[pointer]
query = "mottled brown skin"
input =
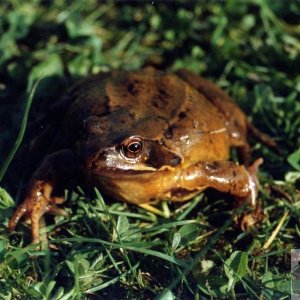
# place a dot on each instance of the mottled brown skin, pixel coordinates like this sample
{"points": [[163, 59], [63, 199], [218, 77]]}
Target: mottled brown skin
{"points": [[143, 136]]}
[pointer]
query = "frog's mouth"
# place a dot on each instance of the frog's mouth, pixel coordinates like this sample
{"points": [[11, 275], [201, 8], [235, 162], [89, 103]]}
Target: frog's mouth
{"points": [[109, 162], [118, 172], [113, 160], [116, 168]]}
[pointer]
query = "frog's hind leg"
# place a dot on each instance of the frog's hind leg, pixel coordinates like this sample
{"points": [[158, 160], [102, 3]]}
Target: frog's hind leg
{"points": [[243, 147], [264, 138], [235, 120], [244, 153]]}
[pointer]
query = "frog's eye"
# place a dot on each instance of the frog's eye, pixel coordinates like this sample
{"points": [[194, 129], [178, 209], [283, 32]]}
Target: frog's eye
{"points": [[132, 147]]}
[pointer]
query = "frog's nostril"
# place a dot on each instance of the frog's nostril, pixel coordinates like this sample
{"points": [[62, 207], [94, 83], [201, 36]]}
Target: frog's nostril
{"points": [[95, 156], [97, 160], [93, 159]]}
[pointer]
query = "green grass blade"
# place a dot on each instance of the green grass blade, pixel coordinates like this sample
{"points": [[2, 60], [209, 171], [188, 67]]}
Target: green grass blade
{"points": [[112, 281], [21, 131]]}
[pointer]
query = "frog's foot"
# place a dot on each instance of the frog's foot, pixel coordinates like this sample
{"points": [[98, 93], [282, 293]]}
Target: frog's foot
{"points": [[247, 221], [37, 202]]}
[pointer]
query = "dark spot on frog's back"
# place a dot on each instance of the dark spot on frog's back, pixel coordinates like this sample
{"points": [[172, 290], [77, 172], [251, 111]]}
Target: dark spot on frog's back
{"points": [[163, 96], [161, 99], [182, 115], [168, 133], [132, 89], [163, 93]]}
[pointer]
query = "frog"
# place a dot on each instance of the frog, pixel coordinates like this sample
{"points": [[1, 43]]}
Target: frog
{"points": [[143, 136]]}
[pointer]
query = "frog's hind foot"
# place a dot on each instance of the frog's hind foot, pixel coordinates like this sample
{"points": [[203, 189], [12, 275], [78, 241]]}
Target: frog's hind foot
{"points": [[248, 221]]}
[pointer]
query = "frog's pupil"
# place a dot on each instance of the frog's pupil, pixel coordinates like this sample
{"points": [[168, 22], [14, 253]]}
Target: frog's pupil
{"points": [[134, 147]]}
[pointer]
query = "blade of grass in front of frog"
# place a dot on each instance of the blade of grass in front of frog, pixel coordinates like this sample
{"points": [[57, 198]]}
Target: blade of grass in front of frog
{"points": [[99, 196], [182, 213], [200, 254], [158, 229], [112, 281], [106, 229], [237, 275], [127, 246], [22, 128]]}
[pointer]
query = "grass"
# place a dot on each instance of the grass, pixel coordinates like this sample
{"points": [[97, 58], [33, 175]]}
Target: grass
{"points": [[119, 251]]}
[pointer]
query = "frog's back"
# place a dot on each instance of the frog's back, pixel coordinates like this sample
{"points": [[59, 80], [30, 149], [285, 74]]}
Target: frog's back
{"points": [[154, 105]]}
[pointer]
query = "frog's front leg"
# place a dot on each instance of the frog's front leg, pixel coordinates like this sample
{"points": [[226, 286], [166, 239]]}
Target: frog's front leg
{"points": [[228, 177], [39, 198]]}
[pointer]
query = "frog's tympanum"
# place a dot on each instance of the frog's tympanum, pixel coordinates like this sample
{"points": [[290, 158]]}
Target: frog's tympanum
{"points": [[143, 136]]}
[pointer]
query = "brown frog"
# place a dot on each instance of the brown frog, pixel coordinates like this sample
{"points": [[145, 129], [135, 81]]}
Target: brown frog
{"points": [[142, 136]]}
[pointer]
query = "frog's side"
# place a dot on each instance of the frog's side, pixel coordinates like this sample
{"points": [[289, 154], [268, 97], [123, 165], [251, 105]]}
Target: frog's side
{"points": [[143, 136]]}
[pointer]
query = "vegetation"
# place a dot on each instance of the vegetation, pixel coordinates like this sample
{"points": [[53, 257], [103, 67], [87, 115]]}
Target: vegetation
{"points": [[188, 251]]}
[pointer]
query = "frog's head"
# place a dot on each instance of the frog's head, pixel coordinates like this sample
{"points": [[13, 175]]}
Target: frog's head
{"points": [[115, 144]]}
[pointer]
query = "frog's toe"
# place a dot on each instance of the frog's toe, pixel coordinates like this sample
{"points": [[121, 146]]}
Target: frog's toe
{"points": [[35, 226], [55, 210], [19, 213], [248, 221], [253, 169], [37, 212]]}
